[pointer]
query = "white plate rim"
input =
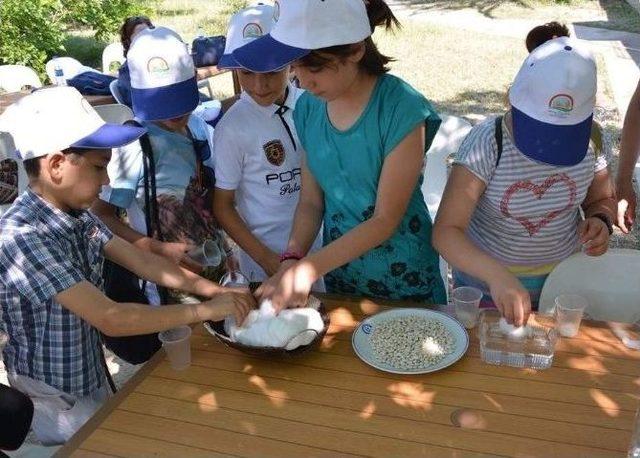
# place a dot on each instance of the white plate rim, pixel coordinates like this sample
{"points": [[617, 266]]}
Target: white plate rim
{"points": [[429, 314]]}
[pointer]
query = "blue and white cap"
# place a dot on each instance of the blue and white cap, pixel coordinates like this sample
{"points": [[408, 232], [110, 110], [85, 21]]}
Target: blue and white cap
{"points": [[552, 100], [302, 26], [163, 77], [54, 119], [244, 27]]}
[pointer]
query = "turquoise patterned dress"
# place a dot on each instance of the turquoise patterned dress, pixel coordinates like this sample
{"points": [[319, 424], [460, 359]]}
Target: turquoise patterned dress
{"points": [[347, 166]]}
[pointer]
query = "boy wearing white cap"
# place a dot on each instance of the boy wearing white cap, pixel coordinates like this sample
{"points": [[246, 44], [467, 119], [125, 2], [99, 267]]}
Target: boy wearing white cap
{"points": [[511, 211], [51, 255], [258, 155], [365, 134], [164, 94]]}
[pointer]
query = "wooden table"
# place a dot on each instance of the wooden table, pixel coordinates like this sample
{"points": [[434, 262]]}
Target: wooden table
{"points": [[329, 403], [211, 71], [12, 97]]}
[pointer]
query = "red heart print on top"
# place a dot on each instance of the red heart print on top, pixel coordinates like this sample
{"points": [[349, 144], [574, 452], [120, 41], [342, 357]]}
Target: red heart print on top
{"points": [[539, 192]]}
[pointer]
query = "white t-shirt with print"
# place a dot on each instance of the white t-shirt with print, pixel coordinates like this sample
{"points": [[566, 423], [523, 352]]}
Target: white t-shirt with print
{"points": [[255, 156], [529, 212]]}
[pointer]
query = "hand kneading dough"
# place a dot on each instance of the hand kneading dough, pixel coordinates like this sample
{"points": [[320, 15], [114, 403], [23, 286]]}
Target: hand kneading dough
{"points": [[289, 329]]}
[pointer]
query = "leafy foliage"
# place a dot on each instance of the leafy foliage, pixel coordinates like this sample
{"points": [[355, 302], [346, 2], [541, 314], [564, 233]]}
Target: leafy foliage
{"points": [[33, 31], [103, 16]]}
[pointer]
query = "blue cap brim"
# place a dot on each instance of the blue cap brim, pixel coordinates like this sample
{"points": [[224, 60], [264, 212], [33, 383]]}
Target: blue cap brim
{"points": [[267, 55], [110, 136], [228, 61], [166, 102], [550, 143]]}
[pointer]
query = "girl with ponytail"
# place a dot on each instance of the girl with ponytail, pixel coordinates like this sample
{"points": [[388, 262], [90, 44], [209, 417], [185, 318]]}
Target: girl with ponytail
{"points": [[365, 133]]}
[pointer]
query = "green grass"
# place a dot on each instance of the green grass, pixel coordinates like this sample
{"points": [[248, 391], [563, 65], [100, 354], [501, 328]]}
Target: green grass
{"points": [[185, 16], [461, 72]]}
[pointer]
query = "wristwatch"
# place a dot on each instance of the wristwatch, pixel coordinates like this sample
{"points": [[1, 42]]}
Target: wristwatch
{"points": [[605, 219]]}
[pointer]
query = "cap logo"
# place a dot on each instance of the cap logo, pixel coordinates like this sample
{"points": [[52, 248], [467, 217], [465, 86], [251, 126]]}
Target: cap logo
{"points": [[562, 103], [252, 30], [276, 11], [157, 66]]}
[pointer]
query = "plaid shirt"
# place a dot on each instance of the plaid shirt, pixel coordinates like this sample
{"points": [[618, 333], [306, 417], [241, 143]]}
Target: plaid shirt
{"points": [[43, 252]]}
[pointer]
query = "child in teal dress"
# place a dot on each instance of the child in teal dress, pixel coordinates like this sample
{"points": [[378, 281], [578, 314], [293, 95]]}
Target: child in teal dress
{"points": [[365, 133]]}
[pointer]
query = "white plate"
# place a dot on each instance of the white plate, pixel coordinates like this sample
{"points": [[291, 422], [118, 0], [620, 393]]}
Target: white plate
{"points": [[362, 344]]}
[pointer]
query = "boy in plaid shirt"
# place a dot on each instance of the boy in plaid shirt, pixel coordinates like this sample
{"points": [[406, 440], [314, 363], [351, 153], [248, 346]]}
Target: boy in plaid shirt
{"points": [[51, 255]]}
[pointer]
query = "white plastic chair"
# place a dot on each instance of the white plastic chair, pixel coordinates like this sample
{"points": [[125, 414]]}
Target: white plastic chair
{"points": [[608, 282], [115, 92], [14, 77], [451, 133], [112, 53], [206, 85], [114, 113], [70, 67]]}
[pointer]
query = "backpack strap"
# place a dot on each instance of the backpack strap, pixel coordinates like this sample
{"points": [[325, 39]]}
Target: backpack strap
{"points": [[498, 137], [151, 213]]}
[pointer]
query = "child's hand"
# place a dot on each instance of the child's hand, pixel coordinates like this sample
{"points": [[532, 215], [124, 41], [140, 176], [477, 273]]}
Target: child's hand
{"points": [[290, 286], [626, 204], [594, 236], [512, 299], [269, 286], [177, 252], [236, 303]]}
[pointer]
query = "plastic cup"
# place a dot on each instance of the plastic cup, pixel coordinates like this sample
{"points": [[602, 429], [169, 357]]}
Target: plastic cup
{"points": [[208, 254], [177, 344], [634, 446], [466, 304], [569, 311], [234, 279]]}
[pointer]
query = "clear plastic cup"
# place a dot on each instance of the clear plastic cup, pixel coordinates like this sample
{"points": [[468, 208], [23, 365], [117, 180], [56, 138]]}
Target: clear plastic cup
{"points": [[234, 279], [569, 311], [466, 303], [177, 344], [634, 446], [208, 254]]}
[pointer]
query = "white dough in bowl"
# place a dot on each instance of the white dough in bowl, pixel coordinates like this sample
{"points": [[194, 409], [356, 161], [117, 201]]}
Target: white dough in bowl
{"points": [[289, 329]]}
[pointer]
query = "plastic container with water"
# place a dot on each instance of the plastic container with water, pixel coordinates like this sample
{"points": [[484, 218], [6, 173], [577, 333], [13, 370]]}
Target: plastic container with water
{"points": [[533, 350]]}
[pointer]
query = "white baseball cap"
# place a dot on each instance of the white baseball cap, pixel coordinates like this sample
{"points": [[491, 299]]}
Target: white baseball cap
{"points": [[163, 77], [244, 27], [302, 26], [552, 100], [54, 119]]}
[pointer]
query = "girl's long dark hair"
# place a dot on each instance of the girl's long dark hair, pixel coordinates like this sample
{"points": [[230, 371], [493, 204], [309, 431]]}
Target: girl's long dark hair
{"points": [[127, 29], [373, 61]]}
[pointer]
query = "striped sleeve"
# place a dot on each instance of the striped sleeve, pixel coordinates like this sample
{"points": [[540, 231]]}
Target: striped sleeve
{"points": [[478, 152]]}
